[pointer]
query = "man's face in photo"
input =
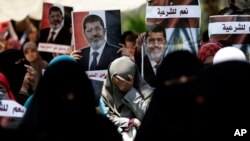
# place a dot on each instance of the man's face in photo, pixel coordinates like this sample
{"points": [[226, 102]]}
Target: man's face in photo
{"points": [[95, 34], [55, 18], [156, 43], [158, 2]]}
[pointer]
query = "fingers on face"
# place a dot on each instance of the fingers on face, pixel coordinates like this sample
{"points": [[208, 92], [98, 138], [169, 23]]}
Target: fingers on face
{"points": [[120, 80], [130, 77], [115, 80]]}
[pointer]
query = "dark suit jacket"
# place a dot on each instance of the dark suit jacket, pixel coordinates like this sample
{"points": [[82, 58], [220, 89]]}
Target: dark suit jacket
{"points": [[108, 55], [149, 75], [63, 38]]}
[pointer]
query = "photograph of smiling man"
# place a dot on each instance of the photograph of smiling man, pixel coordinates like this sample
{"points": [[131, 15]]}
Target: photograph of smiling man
{"points": [[96, 38], [55, 31]]}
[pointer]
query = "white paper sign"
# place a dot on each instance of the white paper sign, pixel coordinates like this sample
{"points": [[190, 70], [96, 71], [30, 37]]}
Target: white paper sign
{"points": [[54, 48], [173, 11], [229, 28], [10, 108], [97, 74]]}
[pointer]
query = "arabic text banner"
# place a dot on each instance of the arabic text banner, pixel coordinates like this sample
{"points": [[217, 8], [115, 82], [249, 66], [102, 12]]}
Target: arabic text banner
{"points": [[181, 20], [232, 29], [10, 108]]}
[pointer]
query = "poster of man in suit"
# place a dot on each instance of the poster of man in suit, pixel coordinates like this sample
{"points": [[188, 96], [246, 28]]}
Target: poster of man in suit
{"points": [[56, 30], [181, 21], [96, 38], [112, 23]]}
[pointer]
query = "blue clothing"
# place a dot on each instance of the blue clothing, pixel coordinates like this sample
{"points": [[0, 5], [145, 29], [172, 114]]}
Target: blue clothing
{"points": [[27, 102], [103, 108]]}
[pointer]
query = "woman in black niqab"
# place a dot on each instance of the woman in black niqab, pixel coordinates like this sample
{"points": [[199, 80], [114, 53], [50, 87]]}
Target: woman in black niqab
{"points": [[64, 103]]}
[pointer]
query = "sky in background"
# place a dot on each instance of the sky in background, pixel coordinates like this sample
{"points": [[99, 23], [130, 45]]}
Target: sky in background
{"points": [[80, 5], [19, 9]]}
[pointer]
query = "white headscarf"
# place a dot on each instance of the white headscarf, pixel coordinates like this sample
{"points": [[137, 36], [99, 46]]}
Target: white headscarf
{"points": [[229, 54]]}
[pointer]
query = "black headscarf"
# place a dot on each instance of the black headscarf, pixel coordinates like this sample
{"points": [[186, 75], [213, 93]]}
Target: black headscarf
{"points": [[171, 113], [224, 88], [177, 64], [63, 103], [12, 66], [239, 7]]}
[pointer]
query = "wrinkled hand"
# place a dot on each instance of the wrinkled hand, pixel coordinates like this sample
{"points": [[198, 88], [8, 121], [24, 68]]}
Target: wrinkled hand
{"points": [[122, 84], [139, 42], [31, 75], [137, 122], [76, 54], [29, 79], [123, 50]]}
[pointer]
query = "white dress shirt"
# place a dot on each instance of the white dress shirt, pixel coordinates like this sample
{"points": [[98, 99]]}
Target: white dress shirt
{"points": [[56, 33], [100, 50]]}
